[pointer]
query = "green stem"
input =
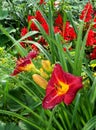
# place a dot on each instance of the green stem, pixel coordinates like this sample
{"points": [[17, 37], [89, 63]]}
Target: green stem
{"points": [[51, 118]]}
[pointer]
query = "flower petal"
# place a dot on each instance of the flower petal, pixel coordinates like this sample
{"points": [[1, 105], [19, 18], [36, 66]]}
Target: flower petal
{"points": [[51, 100], [74, 87]]}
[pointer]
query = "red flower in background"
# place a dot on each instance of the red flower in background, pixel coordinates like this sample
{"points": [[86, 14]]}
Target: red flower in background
{"points": [[39, 17], [24, 31], [59, 21], [57, 30], [87, 12], [42, 21], [62, 86], [65, 29], [24, 64], [91, 40], [42, 2], [93, 54], [32, 24], [68, 32], [42, 41]]}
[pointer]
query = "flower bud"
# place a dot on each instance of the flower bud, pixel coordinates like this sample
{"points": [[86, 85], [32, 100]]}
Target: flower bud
{"points": [[40, 81], [43, 73], [46, 65]]}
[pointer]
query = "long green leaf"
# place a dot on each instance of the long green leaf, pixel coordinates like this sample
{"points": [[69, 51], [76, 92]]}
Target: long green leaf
{"points": [[13, 114], [77, 103], [21, 50], [91, 124], [61, 53], [48, 56], [93, 92], [24, 106]]}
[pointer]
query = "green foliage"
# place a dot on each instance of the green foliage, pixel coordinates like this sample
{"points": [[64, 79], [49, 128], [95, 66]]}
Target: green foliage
{"points": [[9, 126]]}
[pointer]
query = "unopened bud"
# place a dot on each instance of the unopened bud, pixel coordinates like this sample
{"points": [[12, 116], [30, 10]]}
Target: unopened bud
{"points": [[46, 65], [43, 73], [40, 80]]}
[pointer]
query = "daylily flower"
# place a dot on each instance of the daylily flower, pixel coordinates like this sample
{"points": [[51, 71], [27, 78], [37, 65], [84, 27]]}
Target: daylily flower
{"points": [[25, 64], [62, 86]]}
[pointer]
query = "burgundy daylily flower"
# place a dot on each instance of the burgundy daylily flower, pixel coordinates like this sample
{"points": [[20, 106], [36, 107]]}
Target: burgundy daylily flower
{"points": [[24, 64], [62, 86]]}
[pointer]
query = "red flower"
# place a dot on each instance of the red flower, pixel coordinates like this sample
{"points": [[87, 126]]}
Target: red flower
{"points": [[93, 54], [57, 30], [42, 2], [30, 17], [39, 17], [24, 31], [32, 24], [87, 12], [32, 54], [24, 64], [34, 47], [62, 86], [23, 44], [42, 21], [68, 32], [91, 38], [42, 41], [59, 21]]}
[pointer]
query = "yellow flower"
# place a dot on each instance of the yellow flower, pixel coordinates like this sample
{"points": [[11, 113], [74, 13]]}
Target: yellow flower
{"points": [[40, 80], [43, 74], [46, 65], [93, 65], [94, 74]]}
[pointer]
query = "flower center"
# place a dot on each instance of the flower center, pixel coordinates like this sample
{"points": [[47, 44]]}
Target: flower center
{"points": [[62, 88]]}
